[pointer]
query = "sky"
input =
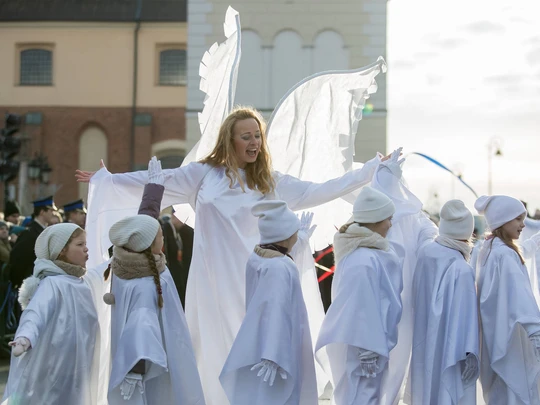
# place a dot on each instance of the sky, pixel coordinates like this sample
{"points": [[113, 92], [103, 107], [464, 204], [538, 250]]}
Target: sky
{"points": [[463, 75]]}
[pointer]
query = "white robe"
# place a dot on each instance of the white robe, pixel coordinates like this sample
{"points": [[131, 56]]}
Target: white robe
{"points": [[531, 253], [143, 331], [509, 315], [275, 328], [445, 328], [364, 314], [61, 367], [225, 234]]}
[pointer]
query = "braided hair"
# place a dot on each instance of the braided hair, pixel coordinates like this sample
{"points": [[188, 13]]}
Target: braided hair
{"points": [[152, 263]]}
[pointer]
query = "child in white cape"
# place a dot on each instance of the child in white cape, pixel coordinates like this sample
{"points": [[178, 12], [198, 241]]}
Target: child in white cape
{"points": [[271, 360], [152, 354], [510, 318], [54, 355]]}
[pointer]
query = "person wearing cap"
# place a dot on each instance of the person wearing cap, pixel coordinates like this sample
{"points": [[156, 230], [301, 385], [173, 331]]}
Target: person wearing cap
{"points": [[445, 355], [271, 360], [12, 212], [75, 213], [152, 358], [53, 352], [22, 257], [510, 318]]}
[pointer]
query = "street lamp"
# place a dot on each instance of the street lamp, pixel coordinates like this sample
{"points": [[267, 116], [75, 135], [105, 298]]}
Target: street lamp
{"points": [[39, 169], [494, 149]]}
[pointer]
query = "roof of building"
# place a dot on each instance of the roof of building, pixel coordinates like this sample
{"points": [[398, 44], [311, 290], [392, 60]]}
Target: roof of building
{"points": [[93, 10]]}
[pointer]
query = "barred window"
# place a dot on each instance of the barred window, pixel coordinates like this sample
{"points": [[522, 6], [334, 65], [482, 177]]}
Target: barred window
{"points": [[172, 67], [36, 67]]}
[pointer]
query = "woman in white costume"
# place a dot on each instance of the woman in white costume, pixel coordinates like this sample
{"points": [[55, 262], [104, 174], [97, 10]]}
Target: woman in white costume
{"points": [[222, 188], [444, 363], [55, 354], [271, 360], [152, 355], [360, 327], [510, 319]]}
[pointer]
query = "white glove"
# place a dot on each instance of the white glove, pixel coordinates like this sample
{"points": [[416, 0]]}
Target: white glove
{"points": [[535, 340], [305, 224], [368, 363], [471, 367], [155, 173], [20, 345], [127, 387], [269, 369], [394, 163]]}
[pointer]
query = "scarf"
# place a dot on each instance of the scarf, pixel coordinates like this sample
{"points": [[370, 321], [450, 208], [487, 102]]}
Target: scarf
{"points": [[350, 238], [129, 265], [464, 248], [46, 268], [267, 253]]}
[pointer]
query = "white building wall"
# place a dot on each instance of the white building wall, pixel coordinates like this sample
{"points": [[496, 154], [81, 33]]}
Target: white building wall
{"points": [[285, 41]]}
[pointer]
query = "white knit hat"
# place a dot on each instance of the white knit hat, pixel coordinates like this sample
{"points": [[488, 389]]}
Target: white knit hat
{"points": [[276, 221], [136, 233], [499, 209], [457, 222], [372, 206], [53, 239]]}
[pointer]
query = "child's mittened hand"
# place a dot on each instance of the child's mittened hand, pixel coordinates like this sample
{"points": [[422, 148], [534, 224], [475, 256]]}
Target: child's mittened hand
{"points": [[132, 381], [20, 345]]}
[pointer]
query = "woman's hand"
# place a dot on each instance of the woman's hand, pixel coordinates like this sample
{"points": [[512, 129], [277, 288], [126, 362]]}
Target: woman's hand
{"points": [[394, 154], [83, 176]]}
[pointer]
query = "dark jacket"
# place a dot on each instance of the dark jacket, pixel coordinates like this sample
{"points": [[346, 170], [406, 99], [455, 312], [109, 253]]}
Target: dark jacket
{"points": [[21, 260]]}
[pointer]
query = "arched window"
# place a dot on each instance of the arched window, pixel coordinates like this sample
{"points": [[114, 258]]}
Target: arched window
{"points": [[329, 52], [35, 67], [251, 74], [171, 153], [92, 147], [288, 64], [172, 67]]}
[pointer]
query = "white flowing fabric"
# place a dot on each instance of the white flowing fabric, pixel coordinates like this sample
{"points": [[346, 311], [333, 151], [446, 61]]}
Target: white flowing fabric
{"points": [[365, 312], [62, 366], [445, 328], [412, 229], [532, 260], [275, 328], [143, 331], [225, 235], [509, 315]]}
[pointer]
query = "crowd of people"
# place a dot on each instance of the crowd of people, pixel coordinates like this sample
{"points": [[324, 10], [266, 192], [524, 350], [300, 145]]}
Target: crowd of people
{"points": [[416, 311]]}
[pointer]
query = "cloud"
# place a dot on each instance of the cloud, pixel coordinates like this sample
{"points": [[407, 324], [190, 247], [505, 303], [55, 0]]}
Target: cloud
{"points": [[424, 56], [506, 80], [532, 41], [434, 80], [449, 43], [533, 57], [484, 27]]}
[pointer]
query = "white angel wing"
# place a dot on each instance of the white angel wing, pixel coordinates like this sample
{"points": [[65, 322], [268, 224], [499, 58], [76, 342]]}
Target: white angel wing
{"points": [[218, 71], [312, 131]]}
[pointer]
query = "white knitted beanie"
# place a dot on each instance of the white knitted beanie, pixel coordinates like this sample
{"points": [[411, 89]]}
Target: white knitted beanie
{"points": [[372, 206], [135, 233], [276, 221], [499, 209], [457, 222], [53, 239]]}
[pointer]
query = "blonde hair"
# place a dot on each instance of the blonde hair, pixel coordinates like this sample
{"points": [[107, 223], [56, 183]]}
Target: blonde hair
{"points": [[499, 233], [258, 174]]}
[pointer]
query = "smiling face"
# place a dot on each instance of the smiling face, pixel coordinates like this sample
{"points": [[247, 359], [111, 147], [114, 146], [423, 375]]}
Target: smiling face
{"points": [[513, 228], [246, 141]]}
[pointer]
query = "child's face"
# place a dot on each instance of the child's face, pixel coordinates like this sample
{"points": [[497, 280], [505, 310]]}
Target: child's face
{"points": [[157, 245], [77, 252], [513, 228], [4, 233]]}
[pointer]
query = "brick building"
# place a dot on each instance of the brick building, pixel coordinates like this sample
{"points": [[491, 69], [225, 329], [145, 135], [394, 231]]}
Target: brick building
{"points": [[100, 79]]}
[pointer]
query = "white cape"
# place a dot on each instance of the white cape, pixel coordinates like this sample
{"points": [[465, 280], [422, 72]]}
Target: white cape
{"points": [[142, 331], [225, 235], [275, 328], [509, 315], [62, 365], [445, 328], [365, 312]]}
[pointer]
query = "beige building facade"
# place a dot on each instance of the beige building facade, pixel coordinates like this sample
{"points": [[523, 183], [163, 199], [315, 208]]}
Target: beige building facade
{"points": [[93, 83], [284, 42]]}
